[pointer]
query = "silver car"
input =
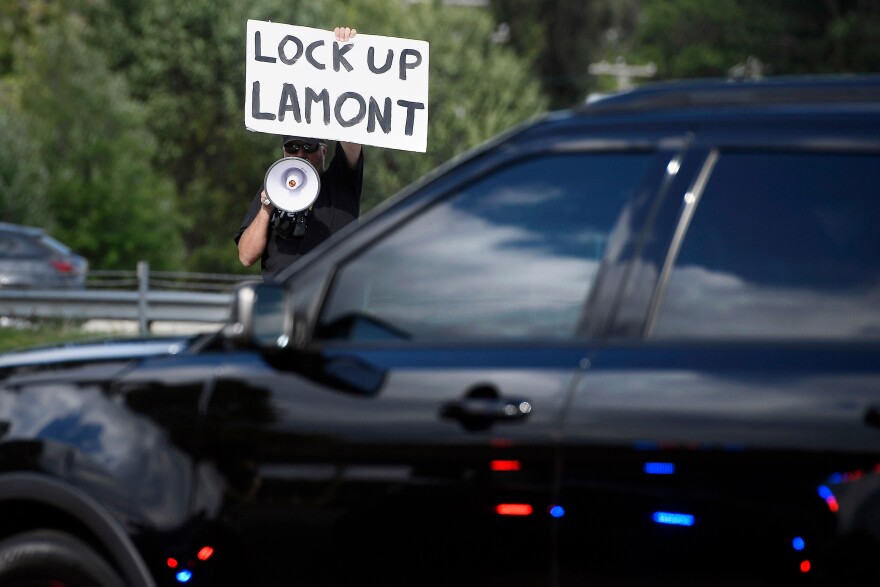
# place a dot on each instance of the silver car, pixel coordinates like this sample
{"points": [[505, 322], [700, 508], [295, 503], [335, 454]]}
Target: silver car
{"points": [[31, 259]]}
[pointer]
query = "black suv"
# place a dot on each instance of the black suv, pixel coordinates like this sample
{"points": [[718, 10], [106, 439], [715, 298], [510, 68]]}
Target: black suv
{"points": [[635, 343]]}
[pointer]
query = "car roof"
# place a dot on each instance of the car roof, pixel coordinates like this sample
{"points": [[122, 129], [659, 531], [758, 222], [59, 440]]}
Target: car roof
{"points": [[723, 93], [23, 230], [843, 107]]}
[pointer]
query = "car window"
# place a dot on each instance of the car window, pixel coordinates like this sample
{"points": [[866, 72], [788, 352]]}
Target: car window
{"points": [[7, 246], [54, 245], [781, 245], [510, 256], [11, 246]]}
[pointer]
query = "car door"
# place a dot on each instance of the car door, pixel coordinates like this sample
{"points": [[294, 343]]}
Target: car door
{"points": [[412, 438], [735, 439]]}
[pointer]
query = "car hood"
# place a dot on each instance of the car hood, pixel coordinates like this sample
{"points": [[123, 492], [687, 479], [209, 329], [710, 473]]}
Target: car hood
{"points": [[95, 351]]}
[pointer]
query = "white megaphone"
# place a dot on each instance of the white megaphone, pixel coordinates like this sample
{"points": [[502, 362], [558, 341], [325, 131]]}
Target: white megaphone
{"points": [[292, 184]]}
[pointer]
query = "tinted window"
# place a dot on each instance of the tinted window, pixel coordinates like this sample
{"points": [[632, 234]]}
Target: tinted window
{"points": [[510, 256], [781, 245]]}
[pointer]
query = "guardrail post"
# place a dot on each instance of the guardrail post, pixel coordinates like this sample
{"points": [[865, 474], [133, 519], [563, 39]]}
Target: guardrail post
{"points": [[143, 274]]}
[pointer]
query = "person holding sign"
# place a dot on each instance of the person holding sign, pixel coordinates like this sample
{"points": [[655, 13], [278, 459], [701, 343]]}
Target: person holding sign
{"points": [[278, 238]]}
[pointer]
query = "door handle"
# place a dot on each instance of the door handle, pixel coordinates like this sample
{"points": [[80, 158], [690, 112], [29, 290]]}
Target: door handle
{"points": [[487, 408]]}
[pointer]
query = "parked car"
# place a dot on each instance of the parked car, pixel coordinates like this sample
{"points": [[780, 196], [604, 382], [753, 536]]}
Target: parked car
{"points": [[634, 343], [31, 259]]}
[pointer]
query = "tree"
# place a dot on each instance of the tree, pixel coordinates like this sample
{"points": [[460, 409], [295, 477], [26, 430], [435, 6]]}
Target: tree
{"points": [[560, 38], [478, 88], [21, 166], [131, 115], [689, 38], [185, 62], [86, 155]]}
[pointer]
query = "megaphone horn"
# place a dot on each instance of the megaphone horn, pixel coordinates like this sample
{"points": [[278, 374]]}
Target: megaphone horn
{"points": [[292, 184]]}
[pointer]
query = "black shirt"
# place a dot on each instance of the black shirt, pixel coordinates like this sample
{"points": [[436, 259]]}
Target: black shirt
{"points": [[338, 203]]}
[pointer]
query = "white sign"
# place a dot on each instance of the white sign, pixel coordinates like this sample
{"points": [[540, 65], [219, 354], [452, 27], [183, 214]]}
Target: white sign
{"points": [[372, 90]]}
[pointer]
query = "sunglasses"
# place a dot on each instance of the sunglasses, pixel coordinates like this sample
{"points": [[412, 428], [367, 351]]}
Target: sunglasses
{"points": [[295, 146]]}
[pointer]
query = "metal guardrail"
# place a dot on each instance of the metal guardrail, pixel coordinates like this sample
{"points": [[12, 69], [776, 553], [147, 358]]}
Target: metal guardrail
{"points": [[167, 280], [143, 304], [116, 305]]}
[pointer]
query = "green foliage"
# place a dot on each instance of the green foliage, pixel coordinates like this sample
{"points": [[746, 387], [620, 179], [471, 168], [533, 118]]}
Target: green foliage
{"points": [[477, 88], [26, 334], [21, 165], [122, 121], [694, 39], [561, 38], [688, 38], [186, 64], [87, 175]]}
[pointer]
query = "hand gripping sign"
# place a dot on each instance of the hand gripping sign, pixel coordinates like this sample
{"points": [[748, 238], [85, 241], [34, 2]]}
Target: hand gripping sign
{"points": [[372, 90]]}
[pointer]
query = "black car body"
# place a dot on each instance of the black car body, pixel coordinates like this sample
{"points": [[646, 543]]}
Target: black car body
{"points": [[633, 343]]}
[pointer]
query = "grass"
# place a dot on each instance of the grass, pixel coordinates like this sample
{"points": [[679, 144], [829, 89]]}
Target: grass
{"points": [[17, 335]]}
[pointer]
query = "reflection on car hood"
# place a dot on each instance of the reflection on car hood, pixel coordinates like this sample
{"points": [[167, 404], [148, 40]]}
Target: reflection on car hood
{"points": [[101, 350]]}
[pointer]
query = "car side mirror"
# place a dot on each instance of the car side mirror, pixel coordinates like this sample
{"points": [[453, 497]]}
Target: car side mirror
{"points": [[261, 316]]}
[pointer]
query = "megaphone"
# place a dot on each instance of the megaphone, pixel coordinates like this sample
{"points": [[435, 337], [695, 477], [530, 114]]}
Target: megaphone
{"points": [[292, 184]]}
